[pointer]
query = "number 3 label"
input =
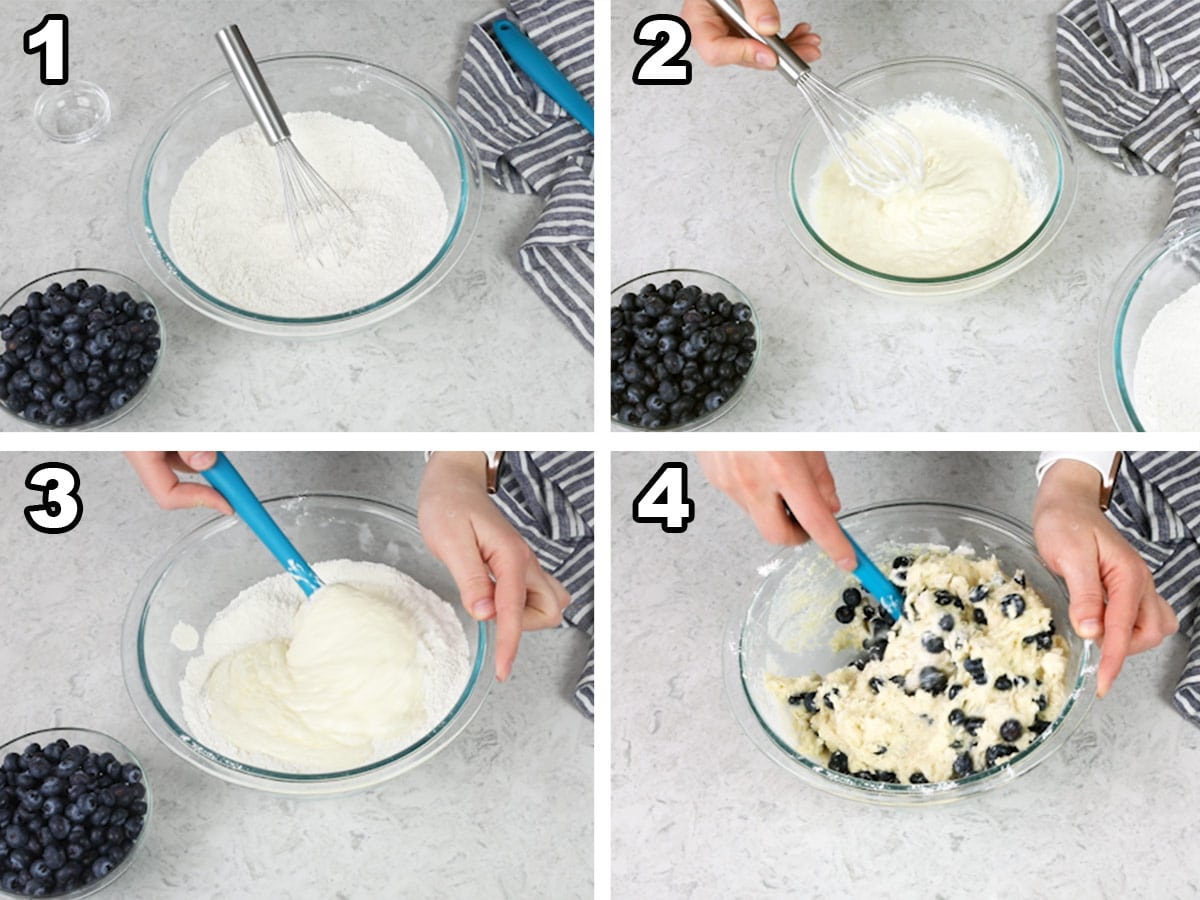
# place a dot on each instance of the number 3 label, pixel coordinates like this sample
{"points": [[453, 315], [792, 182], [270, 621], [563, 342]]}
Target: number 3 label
{"points": [[664, 500], [670, 38], [61, 508]]}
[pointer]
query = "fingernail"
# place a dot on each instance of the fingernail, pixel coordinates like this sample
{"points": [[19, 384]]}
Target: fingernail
{"points": [[1089, 628], [768, 24], [483, 609], [205, 459], [764, 59], [849, 563]]}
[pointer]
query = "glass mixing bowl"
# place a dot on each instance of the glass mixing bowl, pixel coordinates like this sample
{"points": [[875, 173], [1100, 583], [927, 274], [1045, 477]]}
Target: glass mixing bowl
{"points": [[974, 88], [201, 573], [709, 283], [96, 742], [115, 282], [1162, 272], [347, 87], [781, 632]]}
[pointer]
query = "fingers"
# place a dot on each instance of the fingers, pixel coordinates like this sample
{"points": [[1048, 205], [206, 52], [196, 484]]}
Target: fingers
{"points": [[156, 473], [1156, 620], [805, 42], [198, 460], [461, 556], [809, 491], [545, 600], [763, 15], [1124, 600], [510, 565], [1082, 575]]}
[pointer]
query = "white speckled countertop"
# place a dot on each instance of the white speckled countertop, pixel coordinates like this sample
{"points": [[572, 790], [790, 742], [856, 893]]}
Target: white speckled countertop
{"points": [[504, 811], [698, 812], [696, 189], [480, 352]]}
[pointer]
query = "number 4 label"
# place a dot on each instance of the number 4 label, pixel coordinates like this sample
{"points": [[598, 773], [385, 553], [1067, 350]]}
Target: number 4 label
{"points": [[664, 500]]}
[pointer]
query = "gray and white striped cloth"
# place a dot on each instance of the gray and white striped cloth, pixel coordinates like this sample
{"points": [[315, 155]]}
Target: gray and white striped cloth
{"points": [[1129, 72], [550, 498], [531, 144], [1156, 506]]}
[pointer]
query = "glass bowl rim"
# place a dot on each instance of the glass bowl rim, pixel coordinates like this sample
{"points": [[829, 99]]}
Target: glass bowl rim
{"points": [[707, 418], [1063, 195], [462, 224], [176, 737], [113, 415], [1078, 699]]}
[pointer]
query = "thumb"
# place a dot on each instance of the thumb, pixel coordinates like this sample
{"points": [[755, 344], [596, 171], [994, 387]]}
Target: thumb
{"points": [[1086, 592], [198, 460], [475, 588]]}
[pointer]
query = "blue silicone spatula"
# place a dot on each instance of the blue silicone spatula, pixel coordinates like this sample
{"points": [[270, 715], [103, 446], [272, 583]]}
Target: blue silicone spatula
{"points": [[226, 479], [524, 52], [876, 583]]}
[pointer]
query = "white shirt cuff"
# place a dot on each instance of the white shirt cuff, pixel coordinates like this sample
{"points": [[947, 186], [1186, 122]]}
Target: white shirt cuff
{"points": [[1100, 460]]}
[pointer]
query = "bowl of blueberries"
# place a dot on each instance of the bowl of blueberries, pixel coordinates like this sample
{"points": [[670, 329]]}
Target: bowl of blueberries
{"points": [[74, 806], [684, 345], [79, 349]]}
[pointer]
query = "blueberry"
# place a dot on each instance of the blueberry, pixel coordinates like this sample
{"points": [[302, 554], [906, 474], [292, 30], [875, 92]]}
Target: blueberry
{"points": [[713, 401], [979, 616], [963, 764], [957, 716], [1038, 725], [901, 562], [917, 778], [844, 614], [1002, 683], [932, 679], [851, 597], [943, 597], [807, 699], [101, 867], [1012, 606], [932, 642], [973, 724], [59, 826], [1011, 730], [15, 836], [838, 762], [974, 668], [997, 752], [946, 622]]}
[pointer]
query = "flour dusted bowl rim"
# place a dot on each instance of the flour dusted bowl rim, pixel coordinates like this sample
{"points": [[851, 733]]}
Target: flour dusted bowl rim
{"points": [[898, 523], [1060, 168], [1158, 274], [146, 654], [338, 82]]}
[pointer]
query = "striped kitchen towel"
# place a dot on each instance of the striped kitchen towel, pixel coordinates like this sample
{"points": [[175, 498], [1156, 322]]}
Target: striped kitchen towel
{"points": [[550, 498], [530, 144], [1129, 73], [1156, 507]]}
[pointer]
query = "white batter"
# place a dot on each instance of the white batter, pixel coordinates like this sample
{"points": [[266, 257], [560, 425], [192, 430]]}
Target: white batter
{"points": [[230, 234], [1166, 376], [972, 208], [970, 675], [364, 667]]}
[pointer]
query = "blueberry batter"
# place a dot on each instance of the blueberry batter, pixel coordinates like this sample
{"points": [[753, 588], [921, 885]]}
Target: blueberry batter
{"points": [[972, 673]]}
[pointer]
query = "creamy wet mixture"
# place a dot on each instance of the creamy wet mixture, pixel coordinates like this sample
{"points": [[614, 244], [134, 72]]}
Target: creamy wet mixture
{"points": [[972, 208], [361, 669], [971, 674]]}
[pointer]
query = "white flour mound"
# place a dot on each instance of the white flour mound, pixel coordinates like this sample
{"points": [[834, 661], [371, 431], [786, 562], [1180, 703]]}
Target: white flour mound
{"points": [[1166, 376], [229, 230], [265, 612]]}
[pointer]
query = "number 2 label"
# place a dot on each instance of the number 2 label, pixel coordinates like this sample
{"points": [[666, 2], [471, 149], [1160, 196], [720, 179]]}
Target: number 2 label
{"points": [[670, 38], [48, 38], [664, 500]]}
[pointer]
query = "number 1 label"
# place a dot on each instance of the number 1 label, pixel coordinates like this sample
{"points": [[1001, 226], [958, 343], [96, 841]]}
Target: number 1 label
{"points": [[49, 39]]}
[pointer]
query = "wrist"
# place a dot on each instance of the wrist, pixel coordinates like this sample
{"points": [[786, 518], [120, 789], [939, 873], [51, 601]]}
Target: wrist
{"points": [[468, 465], [1072, 480]]}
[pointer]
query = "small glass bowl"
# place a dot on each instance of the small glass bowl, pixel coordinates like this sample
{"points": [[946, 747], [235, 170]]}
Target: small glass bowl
{"points": [[779, 632], [973, 87], [352, 88], [1164, 270], [202, 572], [98, 742], [115, 282], [709, 283], [74, 112]]}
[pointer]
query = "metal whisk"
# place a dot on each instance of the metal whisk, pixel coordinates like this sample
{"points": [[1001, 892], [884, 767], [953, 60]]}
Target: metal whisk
{"points": [[319, 218], [877, 153]]}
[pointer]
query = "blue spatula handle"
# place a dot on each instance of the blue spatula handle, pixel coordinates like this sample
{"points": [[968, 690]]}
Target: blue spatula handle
{"points": [[225, 478], [545, 75], [876, 583]]}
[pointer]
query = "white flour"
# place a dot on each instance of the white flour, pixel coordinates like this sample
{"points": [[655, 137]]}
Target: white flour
{"points": [[1166, 379], [229, 232], [265, 611]]}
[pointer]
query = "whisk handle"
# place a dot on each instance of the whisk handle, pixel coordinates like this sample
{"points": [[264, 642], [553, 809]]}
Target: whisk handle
{"points": [[791, 66], [250, 80]]}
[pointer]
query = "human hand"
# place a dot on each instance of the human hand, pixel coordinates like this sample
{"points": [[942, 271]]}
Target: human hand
{"points": [[762, 483], [719, 44], [1112, 594], [463, 528], [157, 471]]}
